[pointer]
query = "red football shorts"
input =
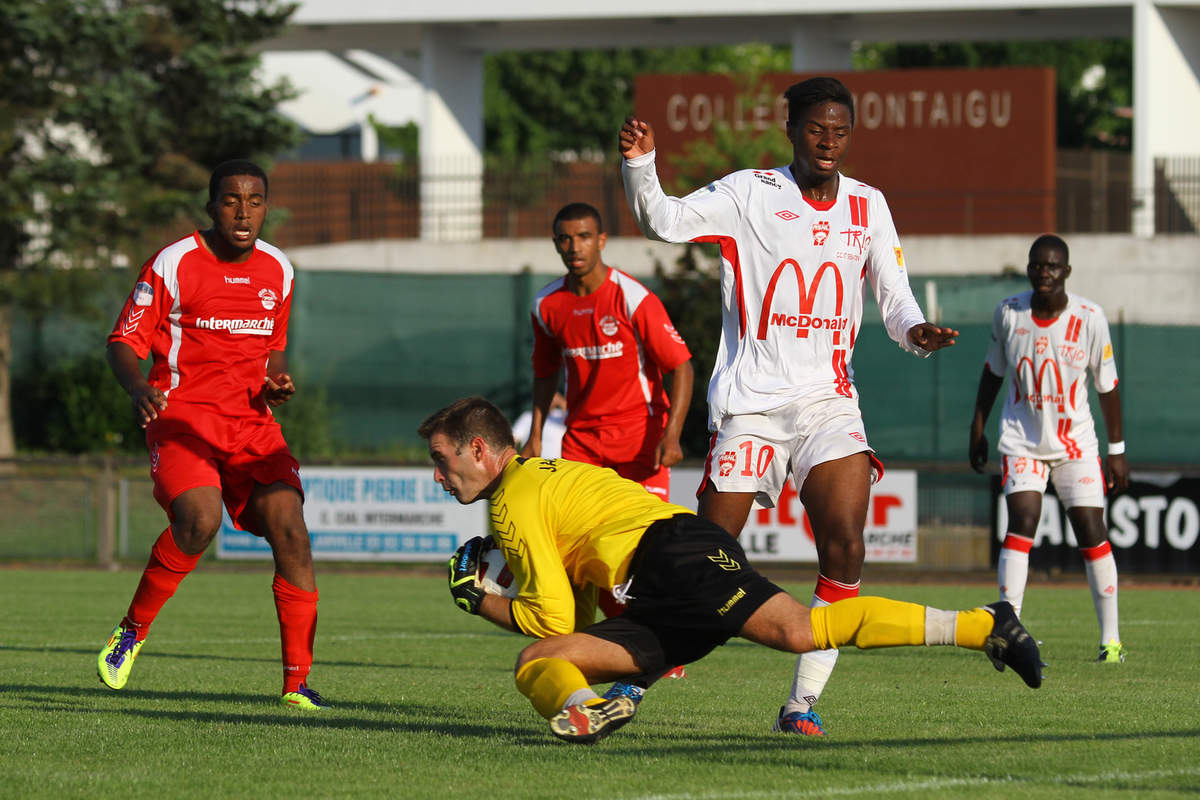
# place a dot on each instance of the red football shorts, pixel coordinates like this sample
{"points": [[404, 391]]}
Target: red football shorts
{"points": [[626, 449], [231, 454]]}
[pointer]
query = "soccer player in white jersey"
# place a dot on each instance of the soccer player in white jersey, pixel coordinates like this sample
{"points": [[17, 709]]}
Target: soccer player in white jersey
{"points": [[798, 244], [1048, 339]]}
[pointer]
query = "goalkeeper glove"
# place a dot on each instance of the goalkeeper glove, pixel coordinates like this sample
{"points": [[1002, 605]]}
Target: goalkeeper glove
{"points": [[464, 576]]}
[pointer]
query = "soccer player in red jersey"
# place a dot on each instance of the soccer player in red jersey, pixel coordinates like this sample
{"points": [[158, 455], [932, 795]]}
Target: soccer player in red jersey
{"points": [[211, 309], [1049, 339], [629, 373], [798, 245]]}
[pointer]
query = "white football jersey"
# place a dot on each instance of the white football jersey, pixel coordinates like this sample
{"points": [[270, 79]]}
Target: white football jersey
{"points": [[792, 279], [1046, 413]]}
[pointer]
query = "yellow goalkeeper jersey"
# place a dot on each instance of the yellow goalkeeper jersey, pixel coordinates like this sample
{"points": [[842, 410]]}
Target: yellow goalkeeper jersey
{"points": [[568, 529]]}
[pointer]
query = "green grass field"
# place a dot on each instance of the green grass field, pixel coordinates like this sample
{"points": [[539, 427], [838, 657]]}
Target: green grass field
{"points": [[426, 708]]}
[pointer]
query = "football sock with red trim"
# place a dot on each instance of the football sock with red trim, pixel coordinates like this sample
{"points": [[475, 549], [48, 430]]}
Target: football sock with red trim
{"points": [[813, 669], [1012, 569], [168, 565], [297, 612], [1101, 570]]}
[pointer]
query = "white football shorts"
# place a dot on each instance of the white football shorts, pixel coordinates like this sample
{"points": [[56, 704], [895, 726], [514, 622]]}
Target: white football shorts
{"points": [[755, 452], [1077, 481]]}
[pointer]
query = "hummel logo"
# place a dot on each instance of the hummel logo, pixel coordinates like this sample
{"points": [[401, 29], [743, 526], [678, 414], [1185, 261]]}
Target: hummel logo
{"points": [[722, 560], [787, 215]]}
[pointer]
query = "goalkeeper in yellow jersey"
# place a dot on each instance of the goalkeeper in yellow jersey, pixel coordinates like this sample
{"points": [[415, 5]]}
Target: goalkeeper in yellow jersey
{"points": [[567, 526]]}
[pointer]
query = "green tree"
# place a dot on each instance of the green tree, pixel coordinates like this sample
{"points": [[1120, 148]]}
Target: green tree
{"points": [[1094, 78], [112, 115], [575, 100]]}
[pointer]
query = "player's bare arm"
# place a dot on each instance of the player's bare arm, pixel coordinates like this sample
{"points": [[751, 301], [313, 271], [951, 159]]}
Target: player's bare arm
{"points": [[931, 337], [147, 401], [636, 138], [669, 452], [278, 386], [543, 397], [1116, 466], [985, 397]]}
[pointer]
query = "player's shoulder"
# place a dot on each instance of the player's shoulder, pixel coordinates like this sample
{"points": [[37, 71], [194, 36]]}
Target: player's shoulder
{"points": [[1016, 303], [855, 186], [176, 250], [270, 251], [1084, 306], [553, 292]]}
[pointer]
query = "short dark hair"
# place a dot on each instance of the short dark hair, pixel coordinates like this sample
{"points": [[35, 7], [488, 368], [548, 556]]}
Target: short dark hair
{"points": [[464, 419], [227, 169], [1053, 241], [806, 94], [573, 211]]}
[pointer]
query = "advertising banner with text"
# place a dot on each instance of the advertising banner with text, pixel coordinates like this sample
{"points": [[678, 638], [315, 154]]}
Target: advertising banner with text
{"points": [[783, 533], [372, 514], [1153, 527]]}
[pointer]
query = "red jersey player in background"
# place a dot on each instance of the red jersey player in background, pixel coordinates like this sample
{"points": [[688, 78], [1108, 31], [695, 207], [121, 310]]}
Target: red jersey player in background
{"points": [[212, 311], [620, 351], [1049, 339], [798, 244]]}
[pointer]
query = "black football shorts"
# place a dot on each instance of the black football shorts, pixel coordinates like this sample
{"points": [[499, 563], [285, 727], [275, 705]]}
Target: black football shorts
{"points": [[691, 590]]}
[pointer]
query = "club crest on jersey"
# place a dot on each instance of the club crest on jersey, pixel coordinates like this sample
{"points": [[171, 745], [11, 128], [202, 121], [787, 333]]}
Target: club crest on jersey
{"points": [[820, 232], [725, 463], [143, 294], [609, 325], [1041, 344], [268, 299]]}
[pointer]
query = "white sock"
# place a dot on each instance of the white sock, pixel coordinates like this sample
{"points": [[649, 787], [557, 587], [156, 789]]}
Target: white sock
{"points": [[812, 673], [1102, 578], [940, 626], [580, 696], [1012, 569]]}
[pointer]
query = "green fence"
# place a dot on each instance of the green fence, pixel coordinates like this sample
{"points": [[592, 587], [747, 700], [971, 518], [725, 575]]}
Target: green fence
{"points": [[390, 348]]}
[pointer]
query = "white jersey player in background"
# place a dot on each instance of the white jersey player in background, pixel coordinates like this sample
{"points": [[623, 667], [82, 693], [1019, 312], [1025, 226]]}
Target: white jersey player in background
{"points": [[798, 244], [1048, 339]]}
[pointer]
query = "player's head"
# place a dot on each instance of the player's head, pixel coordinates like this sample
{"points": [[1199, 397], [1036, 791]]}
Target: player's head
{"points": [[579, 238], [1049, 264], [470, 441], [820, 121], [237, 205]]}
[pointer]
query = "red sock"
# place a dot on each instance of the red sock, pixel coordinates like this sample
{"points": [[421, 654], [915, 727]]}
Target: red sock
{"points": [[831, 591], [297, 612], [168, 566]]}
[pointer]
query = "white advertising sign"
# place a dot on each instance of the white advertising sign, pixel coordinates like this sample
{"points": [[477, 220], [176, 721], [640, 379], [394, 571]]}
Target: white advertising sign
{"points": [[371, 514], [783, 533]]}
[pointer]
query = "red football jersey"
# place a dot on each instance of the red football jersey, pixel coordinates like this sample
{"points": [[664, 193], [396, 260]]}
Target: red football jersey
{"points": [[210, 325], [615, 342]]}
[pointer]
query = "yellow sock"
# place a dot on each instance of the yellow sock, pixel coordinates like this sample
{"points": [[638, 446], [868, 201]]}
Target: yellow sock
{"points": [[971, 628], [868, 622], [548, 682]]}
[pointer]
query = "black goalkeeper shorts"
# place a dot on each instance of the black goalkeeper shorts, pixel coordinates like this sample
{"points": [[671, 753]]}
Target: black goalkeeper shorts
{"points": [[690, 591]]}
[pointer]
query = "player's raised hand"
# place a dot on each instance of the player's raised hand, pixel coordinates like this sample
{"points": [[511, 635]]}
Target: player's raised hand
{"points": [[930, 337], [279, 389], [147, 402], [636, 138], [464, 575]]}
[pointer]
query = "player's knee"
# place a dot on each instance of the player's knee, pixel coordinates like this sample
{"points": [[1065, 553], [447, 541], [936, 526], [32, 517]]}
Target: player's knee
{"points": [[195, 531]]}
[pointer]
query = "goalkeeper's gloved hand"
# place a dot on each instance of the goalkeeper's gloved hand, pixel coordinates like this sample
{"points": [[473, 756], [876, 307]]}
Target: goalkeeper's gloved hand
{"points": [[464, 576]]}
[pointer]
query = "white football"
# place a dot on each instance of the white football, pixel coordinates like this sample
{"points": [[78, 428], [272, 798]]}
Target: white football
{"points": [[494, 575]]}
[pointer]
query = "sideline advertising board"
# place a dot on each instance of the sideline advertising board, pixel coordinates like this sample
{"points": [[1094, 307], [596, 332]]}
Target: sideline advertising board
{"points": [[1154, 526], [783, 533], [371, 514]]}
